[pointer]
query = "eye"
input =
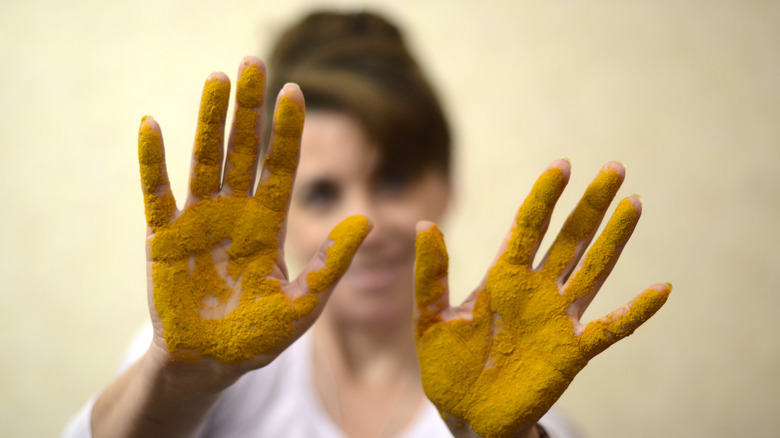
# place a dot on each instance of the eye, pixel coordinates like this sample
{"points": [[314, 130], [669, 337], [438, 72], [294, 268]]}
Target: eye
{"points": [[319, 194], [392, 183]]}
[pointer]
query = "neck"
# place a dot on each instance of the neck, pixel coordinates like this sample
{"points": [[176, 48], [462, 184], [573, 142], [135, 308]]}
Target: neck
{"points": [[367, 353], [367, 377]]}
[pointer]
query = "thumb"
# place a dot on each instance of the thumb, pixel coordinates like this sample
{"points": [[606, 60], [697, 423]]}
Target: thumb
{"points": [[334, 256], [598, 335], [430, 277]]}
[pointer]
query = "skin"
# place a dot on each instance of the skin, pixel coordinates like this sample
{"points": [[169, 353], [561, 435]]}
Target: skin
{"points": [[365, 369], [337, 178], [521, 328], [167, 394]]}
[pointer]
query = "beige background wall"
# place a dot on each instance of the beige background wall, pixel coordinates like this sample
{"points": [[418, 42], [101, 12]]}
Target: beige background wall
{"points": [[687, 94]]}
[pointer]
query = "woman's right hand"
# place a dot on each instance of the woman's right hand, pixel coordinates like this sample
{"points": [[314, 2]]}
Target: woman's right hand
{"points": [[219, 294], [218, 286]]}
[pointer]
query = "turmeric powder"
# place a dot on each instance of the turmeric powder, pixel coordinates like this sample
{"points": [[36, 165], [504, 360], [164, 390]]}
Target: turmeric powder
{"points": [[217, 282], [503, 368]]}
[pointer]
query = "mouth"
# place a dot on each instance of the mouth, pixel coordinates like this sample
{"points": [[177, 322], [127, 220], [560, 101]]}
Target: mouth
{"points": [[377, 276]]}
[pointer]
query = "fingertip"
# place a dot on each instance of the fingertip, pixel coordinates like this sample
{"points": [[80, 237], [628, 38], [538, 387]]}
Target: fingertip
{"points": [[564, 165], [337, 253], [252, 61], [148, 121], [251, 87], [431, 265], [290, 111], [218, 76], [652, 299], [615, 167], [430, 247], [347, 236], [292, 91], [368, 224], [356, 224], [636, 202], [662, 288], [425, 226], [150, 141]]}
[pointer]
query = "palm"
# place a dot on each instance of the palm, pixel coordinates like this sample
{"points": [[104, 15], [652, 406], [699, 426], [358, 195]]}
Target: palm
{"points": [[218, 252], [521, 343], [217, 271]]}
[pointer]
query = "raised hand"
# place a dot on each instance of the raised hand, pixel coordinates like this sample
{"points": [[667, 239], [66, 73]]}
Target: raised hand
{"points": [[499, 361], [218, 282]]}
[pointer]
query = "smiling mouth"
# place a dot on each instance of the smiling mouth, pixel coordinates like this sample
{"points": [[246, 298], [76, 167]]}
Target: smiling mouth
{"points": [[377, 276]]}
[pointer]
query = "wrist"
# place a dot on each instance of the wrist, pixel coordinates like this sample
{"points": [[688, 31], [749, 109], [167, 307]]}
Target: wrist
{"points": [[203, 378], [461, 429], [157, 397]]}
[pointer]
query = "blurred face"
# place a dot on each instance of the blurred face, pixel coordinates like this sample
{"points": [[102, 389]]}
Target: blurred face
{"points": [[337, 178]]}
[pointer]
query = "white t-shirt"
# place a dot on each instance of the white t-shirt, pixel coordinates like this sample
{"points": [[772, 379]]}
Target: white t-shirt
{"points": [[279, 400]]}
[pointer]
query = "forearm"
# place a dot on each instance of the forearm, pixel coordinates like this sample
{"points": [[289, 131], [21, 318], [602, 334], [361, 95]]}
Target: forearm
{"points": [[155, 398]]}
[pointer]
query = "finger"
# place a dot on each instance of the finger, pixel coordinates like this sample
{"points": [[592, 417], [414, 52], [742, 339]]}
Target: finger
{"points": [[430, 277], [244, 143], [281, 160], [534, 215], [582, 223], [334, 256], [602, 256], [159, 204], [207, 154], [600, 334]]}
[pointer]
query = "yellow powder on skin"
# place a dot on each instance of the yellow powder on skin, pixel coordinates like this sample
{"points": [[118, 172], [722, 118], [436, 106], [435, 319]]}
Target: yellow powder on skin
{"points": [[242, 159], [347, 237], [212, 265], [207, 154], [507, 366], [580, 226], [159, 204]]}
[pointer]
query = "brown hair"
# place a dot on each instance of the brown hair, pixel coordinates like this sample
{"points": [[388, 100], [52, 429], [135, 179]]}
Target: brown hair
{"points": [[358, 63]]}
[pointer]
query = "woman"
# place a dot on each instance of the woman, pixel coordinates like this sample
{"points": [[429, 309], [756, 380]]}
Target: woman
{"points": [[229, 362]]}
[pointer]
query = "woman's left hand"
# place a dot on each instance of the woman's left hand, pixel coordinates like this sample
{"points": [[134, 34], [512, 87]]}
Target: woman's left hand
{"points": [[499, 361]]}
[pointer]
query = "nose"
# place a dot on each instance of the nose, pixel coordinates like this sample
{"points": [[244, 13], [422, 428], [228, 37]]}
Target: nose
{"points": [[363, 203], [360, 202]]}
